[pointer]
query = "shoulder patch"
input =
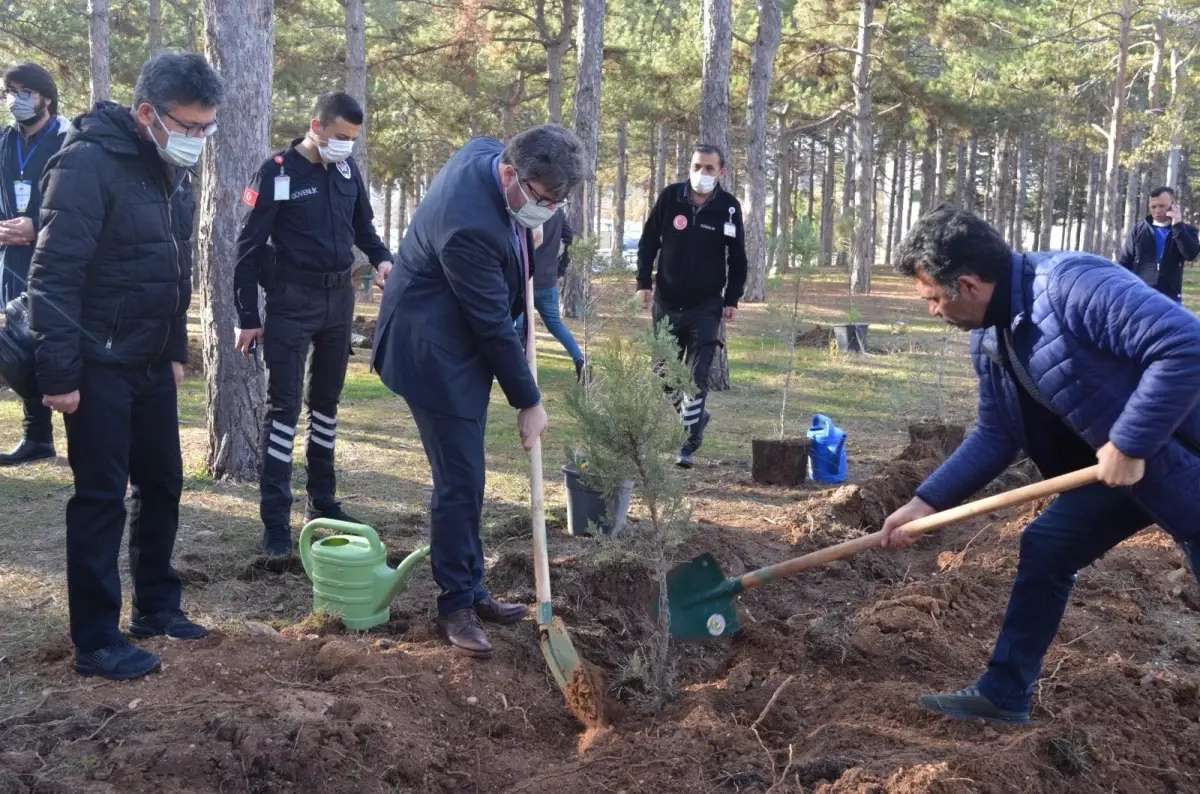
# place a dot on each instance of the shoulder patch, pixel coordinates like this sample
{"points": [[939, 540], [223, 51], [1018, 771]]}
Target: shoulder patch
{"points": [[249, 197], [344, 169]]}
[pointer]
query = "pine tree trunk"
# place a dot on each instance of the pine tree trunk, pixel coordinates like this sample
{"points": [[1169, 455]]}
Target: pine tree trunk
{"points": [[683, 156], [1110, 211], [1154, 104], [1018, 238], [783, 248], [929, 171], [356, 76], [898, 197], [970, 203], [912, 188], [863, 249], [240, 36], [98, 45], [1049, 187], [718, 57], [960, 175], [402, 213], [556, 54], [1133, 184], [389, 185], [827, 189], [812, 177], [590, 47], [661, 162], [776, 183], [941, 166], [1093, 202], [1175, 150], [1072, 195], [619, 193], [154, 26], [762, 67], [1000, 183]]}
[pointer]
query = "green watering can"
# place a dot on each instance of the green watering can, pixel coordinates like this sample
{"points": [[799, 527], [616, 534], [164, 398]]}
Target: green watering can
{"points": [[350, 574]]}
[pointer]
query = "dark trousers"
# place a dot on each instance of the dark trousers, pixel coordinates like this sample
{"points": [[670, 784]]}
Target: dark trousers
{"points": [[126, 431], [300, 319], [455, 449], [698, 332], [38, 424], [1075, 531]]}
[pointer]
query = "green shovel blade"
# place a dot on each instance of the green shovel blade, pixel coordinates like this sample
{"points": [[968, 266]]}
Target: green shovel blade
{"points": [[700, 600]]}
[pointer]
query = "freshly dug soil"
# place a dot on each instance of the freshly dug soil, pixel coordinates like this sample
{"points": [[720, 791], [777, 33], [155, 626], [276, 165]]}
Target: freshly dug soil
{"points": [[818, 693], [819, 336], [780, 462]]}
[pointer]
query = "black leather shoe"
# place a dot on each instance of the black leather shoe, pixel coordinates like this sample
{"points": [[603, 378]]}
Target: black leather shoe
{"points": [[28, 452], [462, 630], [494, 611], [331, 510]]}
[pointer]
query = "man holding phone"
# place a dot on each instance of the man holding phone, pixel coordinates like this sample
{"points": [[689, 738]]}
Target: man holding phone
{"points": [[1159, 245]]}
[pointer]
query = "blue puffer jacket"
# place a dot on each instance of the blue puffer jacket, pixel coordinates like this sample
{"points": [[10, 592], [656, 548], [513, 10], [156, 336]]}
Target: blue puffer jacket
{"points": [[1116, 359]]}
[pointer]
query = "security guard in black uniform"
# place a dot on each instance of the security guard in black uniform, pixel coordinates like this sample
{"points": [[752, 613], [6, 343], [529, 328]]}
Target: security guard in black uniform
{"points": [[311, 201]]}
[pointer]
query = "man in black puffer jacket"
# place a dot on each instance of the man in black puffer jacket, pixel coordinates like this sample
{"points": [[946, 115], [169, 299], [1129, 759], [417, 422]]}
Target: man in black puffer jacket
{"points": [[109, 290]]}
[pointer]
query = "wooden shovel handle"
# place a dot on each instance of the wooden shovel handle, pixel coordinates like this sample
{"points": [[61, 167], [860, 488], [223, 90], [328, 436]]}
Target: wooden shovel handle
{"points": [[537, 503], [1017, 496]]}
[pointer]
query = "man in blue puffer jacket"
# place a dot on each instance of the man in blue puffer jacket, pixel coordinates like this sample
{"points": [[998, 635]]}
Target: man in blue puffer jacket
{"points": [[1079, 361]]}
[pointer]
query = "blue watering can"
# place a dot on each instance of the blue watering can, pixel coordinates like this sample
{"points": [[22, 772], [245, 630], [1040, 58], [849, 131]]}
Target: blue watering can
{"points": [[827, 456]]}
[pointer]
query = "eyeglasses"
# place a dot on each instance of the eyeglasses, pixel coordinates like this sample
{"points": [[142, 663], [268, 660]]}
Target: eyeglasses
{"points": [[542, 201], [24, 94], [193, 130]]}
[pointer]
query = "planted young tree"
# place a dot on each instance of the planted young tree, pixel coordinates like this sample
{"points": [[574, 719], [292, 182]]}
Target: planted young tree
{"points": [[783, 460], [628, 430]]}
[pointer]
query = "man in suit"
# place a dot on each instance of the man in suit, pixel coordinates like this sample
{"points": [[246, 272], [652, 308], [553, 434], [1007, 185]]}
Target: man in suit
{"points": [[446, 332]]}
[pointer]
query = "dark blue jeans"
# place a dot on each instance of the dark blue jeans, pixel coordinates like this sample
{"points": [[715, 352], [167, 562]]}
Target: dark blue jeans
{"points": [[546, 303], [454, 447], [1073, 533]]}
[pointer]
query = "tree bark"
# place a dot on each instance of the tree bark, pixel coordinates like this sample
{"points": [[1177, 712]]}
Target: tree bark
{"points": [[402, 211], [619, 193], [683, 157], [1049, 187], [960, 175], [898, 197], [389, 186], [240, 36], [827, 188], [812, 176], [661, 163], [1022, 201], [1110, 211], [942, 167], [969, 197], [897, 187], [912, 188], [929, 171], [98, 45], [1175, 150], [556, 47], [1000, 183], [1072, 194], [1154, 105], [863, 250], [154, 26], [356, 76], [589, 45], [1133, 183], [762, 67], [718, 56], [1094, 201]]}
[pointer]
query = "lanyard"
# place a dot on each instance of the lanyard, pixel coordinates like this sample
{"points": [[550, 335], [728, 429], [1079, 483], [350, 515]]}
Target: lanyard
{"points": [[23, 159]]}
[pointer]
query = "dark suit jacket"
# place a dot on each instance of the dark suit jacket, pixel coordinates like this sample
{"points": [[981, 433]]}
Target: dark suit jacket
{"points": [[1141, 256], [446, 319]]}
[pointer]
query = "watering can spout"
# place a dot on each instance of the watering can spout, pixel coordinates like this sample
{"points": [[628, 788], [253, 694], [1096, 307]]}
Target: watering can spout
{"points": [[396, 579]]}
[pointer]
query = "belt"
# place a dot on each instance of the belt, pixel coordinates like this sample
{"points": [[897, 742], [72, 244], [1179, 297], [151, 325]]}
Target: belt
{"points": [[310, 278]]}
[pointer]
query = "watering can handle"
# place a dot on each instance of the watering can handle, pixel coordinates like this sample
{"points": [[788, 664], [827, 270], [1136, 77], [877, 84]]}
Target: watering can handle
{"points": [[1018, 496], [362, 530]]}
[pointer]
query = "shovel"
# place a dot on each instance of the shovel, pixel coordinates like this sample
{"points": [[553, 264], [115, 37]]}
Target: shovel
{"points": [[582, 690], [701, 599]]}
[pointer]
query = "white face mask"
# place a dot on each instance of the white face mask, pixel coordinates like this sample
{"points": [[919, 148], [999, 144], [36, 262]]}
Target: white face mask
{"points": [[531, 215], [335, 150], [703, 183], [181, 150], [23, 109]]}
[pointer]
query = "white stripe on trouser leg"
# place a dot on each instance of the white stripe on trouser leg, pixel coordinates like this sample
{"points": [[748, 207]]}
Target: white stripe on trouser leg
{"points": [[282, 428], [280, 444], [692, 411], [284, 443], [323, 418], [325, 431], [314, 438]]}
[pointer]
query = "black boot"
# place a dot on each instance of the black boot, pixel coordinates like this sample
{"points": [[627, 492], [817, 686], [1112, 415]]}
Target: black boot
{"points": [[277, 541], [696, 434], [28, 452], [331, 510]]}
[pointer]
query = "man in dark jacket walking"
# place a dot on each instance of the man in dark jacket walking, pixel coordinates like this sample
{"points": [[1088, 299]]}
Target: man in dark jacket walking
{"points": [[25, 148], [695, 231], [109, 292], [1158, 246], [446, 332], [1078, 362], [311, 202], [551, 258]]}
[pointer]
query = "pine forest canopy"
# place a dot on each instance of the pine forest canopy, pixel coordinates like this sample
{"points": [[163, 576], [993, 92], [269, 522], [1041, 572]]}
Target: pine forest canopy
{"points": [[1006, 108]]}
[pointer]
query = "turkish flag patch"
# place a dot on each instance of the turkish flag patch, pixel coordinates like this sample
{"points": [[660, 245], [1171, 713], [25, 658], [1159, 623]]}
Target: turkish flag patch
{"points": [[249, 197], [681, 222]]}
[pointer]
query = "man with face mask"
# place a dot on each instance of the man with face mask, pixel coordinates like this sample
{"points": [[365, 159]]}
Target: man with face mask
{"points": [[25, 148], [1157, 247], [695, 231], [446, 332], [109, 291], [310, 201]]}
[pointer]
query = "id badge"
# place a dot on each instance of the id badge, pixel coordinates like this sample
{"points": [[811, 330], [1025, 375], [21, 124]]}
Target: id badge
{"points": [[22, 189], [730, 230], [283, 188]]}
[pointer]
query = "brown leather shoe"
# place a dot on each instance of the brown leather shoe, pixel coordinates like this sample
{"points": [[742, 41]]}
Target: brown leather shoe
{"points": [[494, 611], [462, 630]]}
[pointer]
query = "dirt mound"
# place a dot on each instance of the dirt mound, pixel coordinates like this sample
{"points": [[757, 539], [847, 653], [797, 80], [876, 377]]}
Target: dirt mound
{"points": [[819, 336], [194, 368]]}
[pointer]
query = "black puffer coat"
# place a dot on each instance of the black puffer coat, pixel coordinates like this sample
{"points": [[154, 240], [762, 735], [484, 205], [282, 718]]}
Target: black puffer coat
{"points": [[111, 276]]}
